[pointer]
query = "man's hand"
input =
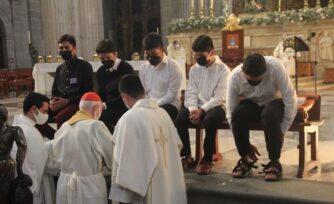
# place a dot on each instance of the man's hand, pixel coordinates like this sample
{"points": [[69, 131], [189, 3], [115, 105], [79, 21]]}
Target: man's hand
{"points": [[58, 103], [195, 116], [253, 153]]}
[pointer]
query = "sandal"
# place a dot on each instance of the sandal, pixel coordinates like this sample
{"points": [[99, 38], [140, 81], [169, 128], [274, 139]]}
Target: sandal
{"points": [[188, 162], [204, 167], [273, 171], [244, 168]]}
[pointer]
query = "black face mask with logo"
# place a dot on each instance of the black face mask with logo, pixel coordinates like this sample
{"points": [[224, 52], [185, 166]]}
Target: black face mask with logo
{"points": [[108, 63], [66, 55], [154, 60], [254, 83], [202, 61]]}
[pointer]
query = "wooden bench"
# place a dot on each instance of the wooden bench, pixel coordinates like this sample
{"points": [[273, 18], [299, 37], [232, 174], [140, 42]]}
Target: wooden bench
{"points": [[309, 127]]}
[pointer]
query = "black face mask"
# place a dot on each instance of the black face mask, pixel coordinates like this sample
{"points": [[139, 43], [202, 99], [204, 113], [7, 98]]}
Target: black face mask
{"points": [[154, 60], [66, 55], [108, 63], [202, 61], [254, 83]]}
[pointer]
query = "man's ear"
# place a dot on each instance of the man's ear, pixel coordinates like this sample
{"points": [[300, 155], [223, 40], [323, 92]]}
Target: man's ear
{"points": [[212, 52]]}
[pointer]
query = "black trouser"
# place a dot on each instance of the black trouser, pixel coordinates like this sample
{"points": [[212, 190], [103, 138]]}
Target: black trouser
{"points": [[171, 110], [270, 115], [210, 122], [111, 116]]}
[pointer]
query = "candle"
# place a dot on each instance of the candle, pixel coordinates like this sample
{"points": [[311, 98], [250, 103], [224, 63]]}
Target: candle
{"points": [[29, 37], [202, 4], [192, 4], [226, 7], [279, 5], [158, 30], [211, 3]]}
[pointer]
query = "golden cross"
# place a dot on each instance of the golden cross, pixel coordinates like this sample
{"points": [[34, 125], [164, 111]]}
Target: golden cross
{"points": [[162, 140]]}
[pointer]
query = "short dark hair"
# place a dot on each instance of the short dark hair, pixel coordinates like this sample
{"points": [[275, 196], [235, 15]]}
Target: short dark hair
{"points": [[68, 38], [105, 46], [151, 41], [254, 65], [34, 99], [131, 85], [203, 43]]}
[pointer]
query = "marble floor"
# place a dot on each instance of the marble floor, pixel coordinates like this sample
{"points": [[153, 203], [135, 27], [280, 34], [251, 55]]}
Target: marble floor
{"points": [[289, 156]]}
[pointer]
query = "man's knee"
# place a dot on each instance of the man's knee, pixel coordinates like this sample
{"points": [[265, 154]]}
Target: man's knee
{"points": [[213, 118], [271, 114], [182, 117]]}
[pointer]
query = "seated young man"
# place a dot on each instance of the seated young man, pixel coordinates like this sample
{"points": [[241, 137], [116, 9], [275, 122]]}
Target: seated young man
{"points": [[108, 76], [204, 101], [161, 76], [269, 98]]}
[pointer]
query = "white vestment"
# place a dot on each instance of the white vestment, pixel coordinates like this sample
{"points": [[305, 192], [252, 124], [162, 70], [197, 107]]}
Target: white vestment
{"points": [[287, 57], [80, 150], [43, 187], [326, 48], [146, 161]]}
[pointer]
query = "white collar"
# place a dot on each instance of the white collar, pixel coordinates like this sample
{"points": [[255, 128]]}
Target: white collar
{"points": [[115, 66], [24, 119], [147, 103]]}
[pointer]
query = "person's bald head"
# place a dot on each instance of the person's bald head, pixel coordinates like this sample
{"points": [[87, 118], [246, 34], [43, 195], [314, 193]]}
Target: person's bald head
{"points": [[131, 89], [91, 103]]}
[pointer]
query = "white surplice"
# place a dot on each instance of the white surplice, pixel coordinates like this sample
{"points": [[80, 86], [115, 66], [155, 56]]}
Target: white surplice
{"points": [[34, 164], [81, 150], [146, 161]]}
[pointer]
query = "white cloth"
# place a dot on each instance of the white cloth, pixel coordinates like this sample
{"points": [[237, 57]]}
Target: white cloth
{"points": [[162, 83], [287, 56], [147, 166], [34, 164], [275, 84], [80, 152], [43, 74], [207, 86]]}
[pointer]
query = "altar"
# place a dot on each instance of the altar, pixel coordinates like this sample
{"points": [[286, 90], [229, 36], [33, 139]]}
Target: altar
{"points": [[263, 30], [43, 74]]}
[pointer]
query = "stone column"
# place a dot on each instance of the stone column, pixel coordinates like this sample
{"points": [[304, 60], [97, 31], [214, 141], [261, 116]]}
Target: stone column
{"points": [[81, 18]]}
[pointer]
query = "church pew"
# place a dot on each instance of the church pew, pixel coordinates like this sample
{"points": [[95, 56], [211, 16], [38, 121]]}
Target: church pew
{"points": [[306, 123]]}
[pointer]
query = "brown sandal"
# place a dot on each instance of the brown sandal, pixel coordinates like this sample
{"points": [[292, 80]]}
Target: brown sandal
{"points": [[204, 167], [244, 167], [274, 169], [188, 162]]}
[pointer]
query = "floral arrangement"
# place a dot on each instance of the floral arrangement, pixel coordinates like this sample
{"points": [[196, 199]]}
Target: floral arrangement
{"points": [[269, 18]]}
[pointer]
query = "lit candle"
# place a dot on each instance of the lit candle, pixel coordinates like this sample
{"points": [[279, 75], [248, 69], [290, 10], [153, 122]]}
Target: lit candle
{"points": [[29, 37]]}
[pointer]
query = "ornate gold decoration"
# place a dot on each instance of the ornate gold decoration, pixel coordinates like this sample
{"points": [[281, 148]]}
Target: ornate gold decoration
{"points": [[40, 59], [135, 56], [306, 5], [49, 59], [318, 5], [58, 59], [232, 23], [95, 58], [163, 140]]}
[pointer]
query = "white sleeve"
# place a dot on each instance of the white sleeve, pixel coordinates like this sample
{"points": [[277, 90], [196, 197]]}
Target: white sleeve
{"points": [[232, 97], [191, 93], [174, 85], [288, 95], [219, 93], [103, 143]]}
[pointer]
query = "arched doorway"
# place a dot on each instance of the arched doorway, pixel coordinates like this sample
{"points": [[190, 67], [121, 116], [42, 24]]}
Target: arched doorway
{"points": [[3, 55]]}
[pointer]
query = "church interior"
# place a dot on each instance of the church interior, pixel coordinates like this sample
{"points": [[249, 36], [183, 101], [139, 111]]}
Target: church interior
{"points": [[298, 32]]}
